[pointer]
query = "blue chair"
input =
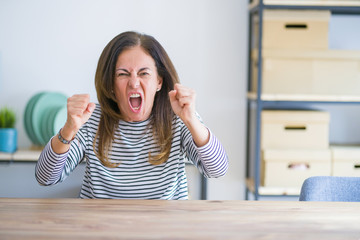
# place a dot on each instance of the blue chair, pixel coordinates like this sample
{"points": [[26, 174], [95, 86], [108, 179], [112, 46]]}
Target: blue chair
{"points": [[331, 188]]}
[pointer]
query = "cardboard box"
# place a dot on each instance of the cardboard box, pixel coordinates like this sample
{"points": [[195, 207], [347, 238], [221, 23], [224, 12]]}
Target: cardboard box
{"points": [[346, 161], [323, 72], [295, 29], [294, 129], [290, 167]]}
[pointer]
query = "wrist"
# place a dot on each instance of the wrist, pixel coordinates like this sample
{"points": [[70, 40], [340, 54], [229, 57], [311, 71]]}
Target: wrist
{"points": [[199, 132], [63, 139], [67, 133], [191, 121]]}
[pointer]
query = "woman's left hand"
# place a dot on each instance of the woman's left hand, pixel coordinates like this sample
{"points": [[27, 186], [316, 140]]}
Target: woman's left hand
{"points": [[182, 101]]}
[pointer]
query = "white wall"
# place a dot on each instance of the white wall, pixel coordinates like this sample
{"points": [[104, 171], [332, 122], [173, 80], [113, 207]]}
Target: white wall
{"points": [[54, 45]]}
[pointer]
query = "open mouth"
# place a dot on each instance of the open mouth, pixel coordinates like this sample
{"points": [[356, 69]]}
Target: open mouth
{"points": [[135, 101]]}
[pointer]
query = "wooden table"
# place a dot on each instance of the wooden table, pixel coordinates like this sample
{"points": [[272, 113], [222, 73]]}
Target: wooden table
{"points": [[161, 219]]}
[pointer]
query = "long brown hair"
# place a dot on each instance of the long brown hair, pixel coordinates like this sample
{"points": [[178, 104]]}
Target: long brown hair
{"points": [[161, 115]]}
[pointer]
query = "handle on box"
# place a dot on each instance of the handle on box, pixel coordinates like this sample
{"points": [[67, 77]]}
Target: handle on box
{"points": [[295, 127], [296, 26], [299, 166], [357, 165]]}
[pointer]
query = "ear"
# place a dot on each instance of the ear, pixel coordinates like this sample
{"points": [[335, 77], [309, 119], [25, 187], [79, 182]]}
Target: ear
{"points": [[160, 81]]}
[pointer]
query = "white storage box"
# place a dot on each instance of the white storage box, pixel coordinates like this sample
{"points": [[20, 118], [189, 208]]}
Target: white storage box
{"points": [[289, 168], [346, 161], [294, 129], [295, 29], [326, 72]]}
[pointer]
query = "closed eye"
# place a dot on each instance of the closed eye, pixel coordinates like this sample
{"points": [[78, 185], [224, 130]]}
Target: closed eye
{"points": [[144, 73], [122, 74]]}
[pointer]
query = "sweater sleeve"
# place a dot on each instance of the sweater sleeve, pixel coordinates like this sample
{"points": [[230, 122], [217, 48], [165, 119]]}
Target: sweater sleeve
{"points": [[210, 159], [52, 168]]}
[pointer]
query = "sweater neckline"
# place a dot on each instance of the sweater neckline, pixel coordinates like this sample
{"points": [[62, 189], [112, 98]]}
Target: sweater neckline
{"points": [[135, 124]]}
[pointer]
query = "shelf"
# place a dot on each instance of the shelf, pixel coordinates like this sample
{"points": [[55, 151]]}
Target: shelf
{"points": [[337, 3], [305, 98], [335, 6], [5, 156], [328, 54], [32, 155], [22, 155], [272, 191], [29, 155]]}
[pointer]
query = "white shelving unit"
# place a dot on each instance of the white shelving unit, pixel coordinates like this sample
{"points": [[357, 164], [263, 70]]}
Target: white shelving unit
{"points": [[257, 101]]}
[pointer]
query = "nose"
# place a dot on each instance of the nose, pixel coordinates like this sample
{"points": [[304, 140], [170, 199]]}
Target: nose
{"points": [[134, 81]]}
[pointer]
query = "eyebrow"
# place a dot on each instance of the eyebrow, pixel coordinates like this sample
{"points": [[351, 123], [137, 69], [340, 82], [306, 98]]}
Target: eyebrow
{"points": [[125, 70], [121, 69]]}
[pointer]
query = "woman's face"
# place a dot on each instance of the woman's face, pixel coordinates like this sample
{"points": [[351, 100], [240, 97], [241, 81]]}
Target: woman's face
{"points": [[136, 83]]}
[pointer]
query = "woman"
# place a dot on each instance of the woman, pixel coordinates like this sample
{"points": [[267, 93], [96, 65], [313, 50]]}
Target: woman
{"points": [[136, 140]]}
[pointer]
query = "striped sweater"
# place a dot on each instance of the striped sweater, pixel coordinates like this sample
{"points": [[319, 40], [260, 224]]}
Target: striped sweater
{"points": [[135, 177]]}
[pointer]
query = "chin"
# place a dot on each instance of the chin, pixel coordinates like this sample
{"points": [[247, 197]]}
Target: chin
{"points": [[136, 117]]}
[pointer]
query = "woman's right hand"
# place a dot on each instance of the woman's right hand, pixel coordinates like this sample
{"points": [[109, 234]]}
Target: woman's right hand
{"points": [[79, 110]]}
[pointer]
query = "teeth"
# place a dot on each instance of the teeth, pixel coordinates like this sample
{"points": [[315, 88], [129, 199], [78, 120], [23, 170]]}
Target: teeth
{"points": [[135, 95]]}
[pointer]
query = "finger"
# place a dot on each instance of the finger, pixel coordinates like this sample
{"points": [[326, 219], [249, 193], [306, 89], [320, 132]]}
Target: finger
{"points": [[91, 107], [183, 91], [172, 95], [80, 100], [174, 102], [185, 94], [88, 111], [79, 97], [180, 90], [186, 101], [176, 86], [77, 104]]}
